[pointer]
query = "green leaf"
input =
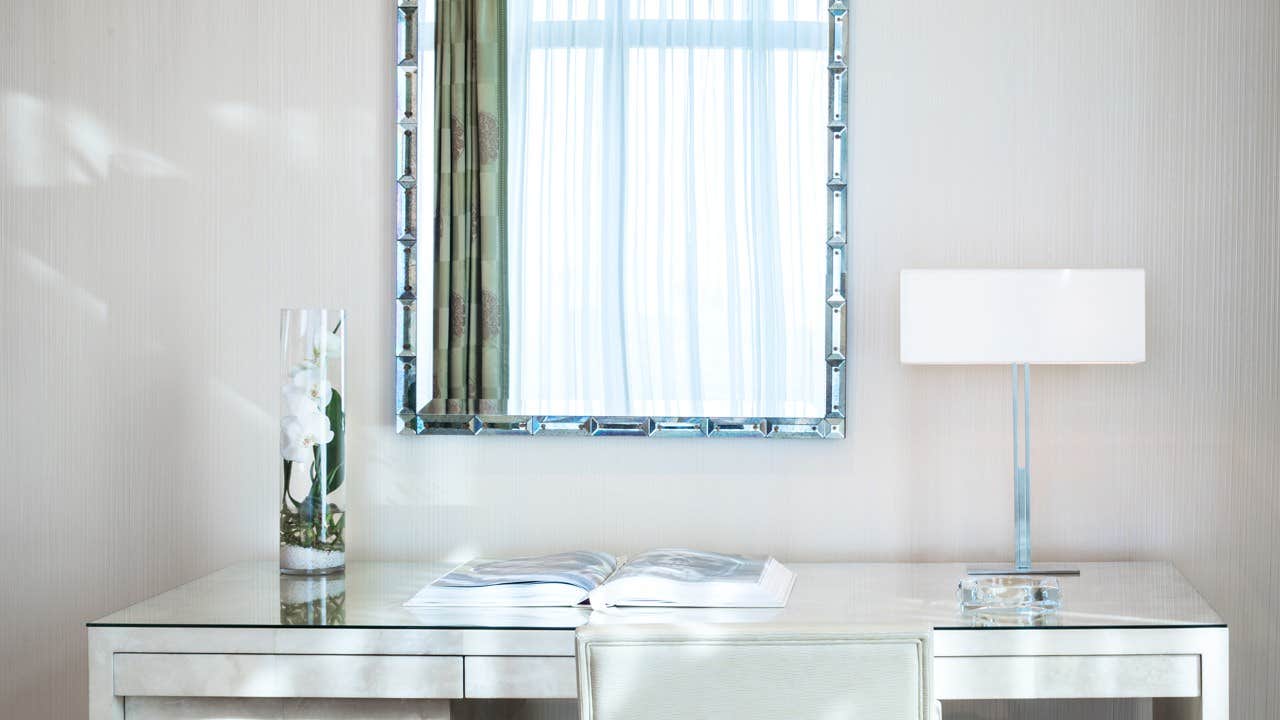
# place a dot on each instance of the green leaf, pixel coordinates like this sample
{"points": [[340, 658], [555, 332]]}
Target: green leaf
{"points": [[335, 451], [286, 499]]}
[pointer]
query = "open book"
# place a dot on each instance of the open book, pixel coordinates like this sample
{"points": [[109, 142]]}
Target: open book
{"points": [[657, 578]]}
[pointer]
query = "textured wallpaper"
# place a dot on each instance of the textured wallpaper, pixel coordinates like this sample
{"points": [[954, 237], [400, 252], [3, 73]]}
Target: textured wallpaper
{"points": [[173, 173]]}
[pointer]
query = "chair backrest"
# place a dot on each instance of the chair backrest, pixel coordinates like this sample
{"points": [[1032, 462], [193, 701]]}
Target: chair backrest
{"points": [[741, 672]]}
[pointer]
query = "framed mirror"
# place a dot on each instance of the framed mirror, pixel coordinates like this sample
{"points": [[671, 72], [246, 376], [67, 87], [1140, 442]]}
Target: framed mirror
{"points": [[621, 217]]}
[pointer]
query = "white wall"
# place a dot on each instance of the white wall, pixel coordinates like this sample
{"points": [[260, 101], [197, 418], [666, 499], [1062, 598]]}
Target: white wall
{"points": [[172, 173]]}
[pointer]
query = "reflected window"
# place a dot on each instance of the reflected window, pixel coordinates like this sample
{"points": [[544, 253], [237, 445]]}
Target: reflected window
{"points": [[665, 199]]}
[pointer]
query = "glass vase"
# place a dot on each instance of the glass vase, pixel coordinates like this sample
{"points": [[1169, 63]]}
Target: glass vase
{"points": [[313, 514]]}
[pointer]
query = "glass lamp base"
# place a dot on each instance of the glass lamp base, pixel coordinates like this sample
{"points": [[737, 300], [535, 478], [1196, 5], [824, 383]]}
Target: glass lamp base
{"points": [[1009, 595]]}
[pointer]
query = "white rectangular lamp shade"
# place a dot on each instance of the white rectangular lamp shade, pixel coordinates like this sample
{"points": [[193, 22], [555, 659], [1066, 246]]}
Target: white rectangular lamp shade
{"points": [[1040, 316]]}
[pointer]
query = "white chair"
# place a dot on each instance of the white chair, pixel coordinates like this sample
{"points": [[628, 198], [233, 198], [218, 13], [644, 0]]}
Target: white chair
{"points": [[744, 672]]}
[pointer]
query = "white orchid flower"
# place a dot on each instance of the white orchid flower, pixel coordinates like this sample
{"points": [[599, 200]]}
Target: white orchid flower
{"points": [[297, 400], [300, 434], [312, 382], [324, 345]]}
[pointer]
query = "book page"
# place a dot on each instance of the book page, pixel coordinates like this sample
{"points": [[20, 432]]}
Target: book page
{"points": [[692, 566], [580, 568]]}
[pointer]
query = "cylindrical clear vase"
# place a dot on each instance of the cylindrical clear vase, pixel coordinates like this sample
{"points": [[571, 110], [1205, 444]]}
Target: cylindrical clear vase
{"points": [[313, 514]]}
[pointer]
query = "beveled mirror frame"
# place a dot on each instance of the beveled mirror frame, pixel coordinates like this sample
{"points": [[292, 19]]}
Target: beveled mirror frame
{"points": [[410, 420]]}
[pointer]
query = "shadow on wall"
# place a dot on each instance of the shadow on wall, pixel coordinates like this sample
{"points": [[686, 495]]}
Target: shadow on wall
{"points": [[46, 146]]}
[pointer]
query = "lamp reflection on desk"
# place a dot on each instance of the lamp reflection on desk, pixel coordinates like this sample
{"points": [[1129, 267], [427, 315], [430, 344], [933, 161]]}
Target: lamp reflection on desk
{"points": [[979, 619]]}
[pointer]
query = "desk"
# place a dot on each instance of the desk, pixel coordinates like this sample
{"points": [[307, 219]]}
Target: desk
{"points": [[1125, 630]]}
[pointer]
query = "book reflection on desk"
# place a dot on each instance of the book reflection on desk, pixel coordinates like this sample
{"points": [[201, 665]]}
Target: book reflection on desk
{"points": [[657, 578]]}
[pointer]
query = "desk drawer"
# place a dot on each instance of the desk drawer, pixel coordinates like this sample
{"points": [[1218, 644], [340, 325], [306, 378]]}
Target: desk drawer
{"points": [[1067, 676], [267, 676], [521, 677]]}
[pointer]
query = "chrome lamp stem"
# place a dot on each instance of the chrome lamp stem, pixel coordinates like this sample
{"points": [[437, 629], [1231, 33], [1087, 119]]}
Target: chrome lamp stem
{"points": [[1022, 468], [1022, 488]]}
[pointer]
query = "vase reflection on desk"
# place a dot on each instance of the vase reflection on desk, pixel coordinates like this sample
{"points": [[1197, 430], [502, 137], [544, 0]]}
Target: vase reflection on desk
{"points": [[312, 442], [306, 601]]}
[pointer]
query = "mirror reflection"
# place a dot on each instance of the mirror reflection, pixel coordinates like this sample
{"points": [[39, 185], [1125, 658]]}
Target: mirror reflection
{"points": [[628, 207]]}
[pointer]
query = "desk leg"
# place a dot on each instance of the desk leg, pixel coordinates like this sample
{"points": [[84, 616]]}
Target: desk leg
{"points": [[1214, 702], [103, 703]]}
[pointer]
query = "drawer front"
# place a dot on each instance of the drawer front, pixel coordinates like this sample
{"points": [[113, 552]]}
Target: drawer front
{"points": [[521, 677], [1067, 676], [198, 708], [266, 676]]}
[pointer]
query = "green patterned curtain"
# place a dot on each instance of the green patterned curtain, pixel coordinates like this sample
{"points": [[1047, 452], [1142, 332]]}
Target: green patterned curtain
{"points": [[470, 333]]}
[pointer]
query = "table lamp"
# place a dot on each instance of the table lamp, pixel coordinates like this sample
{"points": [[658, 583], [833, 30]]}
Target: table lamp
{"points": [[1022, 318]]}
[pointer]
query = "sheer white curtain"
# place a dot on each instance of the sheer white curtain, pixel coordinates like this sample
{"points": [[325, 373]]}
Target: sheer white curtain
{"points": [[667, 206]]}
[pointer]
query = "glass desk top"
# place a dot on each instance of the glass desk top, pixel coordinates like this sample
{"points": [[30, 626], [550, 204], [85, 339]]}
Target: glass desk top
{"points": [[872, 595]]}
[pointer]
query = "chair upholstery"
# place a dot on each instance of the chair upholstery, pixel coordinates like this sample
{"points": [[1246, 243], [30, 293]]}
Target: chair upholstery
{"points": [[745, 672]]}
